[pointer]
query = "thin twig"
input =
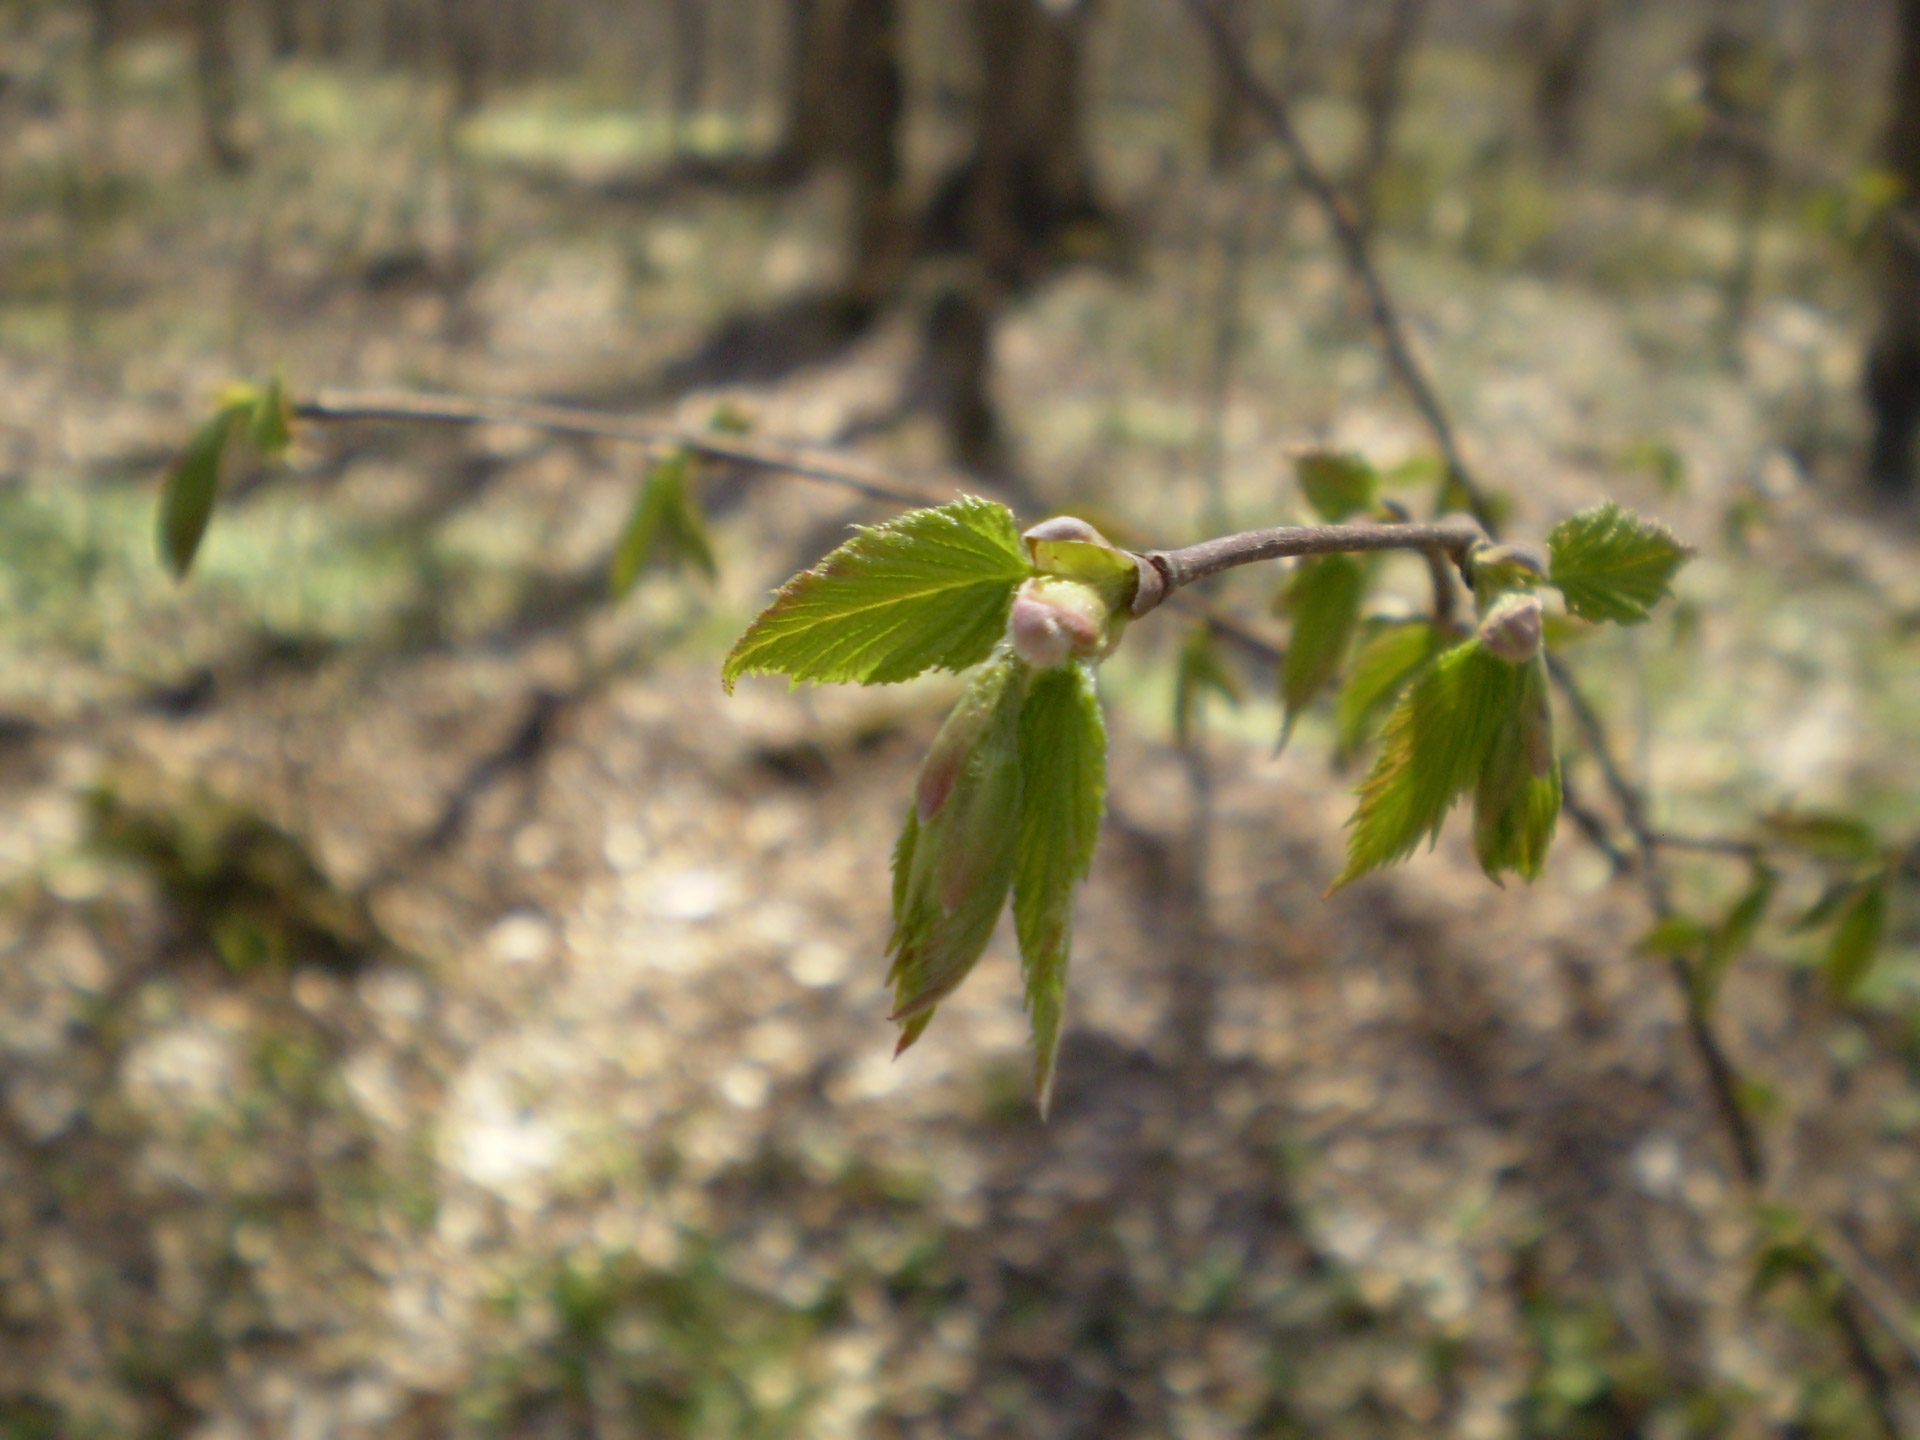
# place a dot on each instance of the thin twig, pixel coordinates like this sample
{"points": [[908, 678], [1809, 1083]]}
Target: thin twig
{"points": [[1354, 249], [340, 405], [1174, 568]]}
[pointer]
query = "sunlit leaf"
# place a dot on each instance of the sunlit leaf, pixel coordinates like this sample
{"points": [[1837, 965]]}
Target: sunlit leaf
{"points": [[1856, 940], [1516, 801], [1822, 834], [1675, 934], [1324, 598], [1200, 672], [1612, 565], [1734, 933], [1386, 660], [954, 859], [1337, 485], [1063, 767], [929, 590], [665, 525], [187, 494], [1437, 742], [270, 426]]}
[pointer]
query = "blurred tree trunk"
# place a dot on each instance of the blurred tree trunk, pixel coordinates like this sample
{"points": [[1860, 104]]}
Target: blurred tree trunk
{"points": [[1893, 370], [219, 81], [1022, 202], [689, 64], [1559, 39], [807, 136], [1384, 59], [1029, 182], [1229, 127]]}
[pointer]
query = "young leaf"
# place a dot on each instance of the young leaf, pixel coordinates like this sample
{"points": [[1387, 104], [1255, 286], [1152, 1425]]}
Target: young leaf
{"points": [[187, 494], [1324, 596], [1825, 836], [955, 857], [1857, 938], [1386, 660], [1612, 565], [1675, 934], [1516, 802], [270, 427], [1063, 787], [1436, 745], [1071, 549], [1200, 670], [929, 590], [1734, 932], [664, 522], [1337, 485]]}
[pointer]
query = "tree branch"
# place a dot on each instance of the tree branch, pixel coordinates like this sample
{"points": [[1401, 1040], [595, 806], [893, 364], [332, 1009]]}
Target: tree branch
{"points": [[813, 464], [1164, 571]]}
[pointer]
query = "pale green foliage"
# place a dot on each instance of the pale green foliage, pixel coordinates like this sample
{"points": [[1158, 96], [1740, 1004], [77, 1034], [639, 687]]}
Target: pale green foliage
{"points": [[1516, 801], [1386, 660], [665, 524], [1063, 768], [1612, 565], [1856, 939], [1337, 485], [1734, 933], [1200, 670], [258, 415], [1466, 716], [954, 861], [927, 591], [1324, 599]]}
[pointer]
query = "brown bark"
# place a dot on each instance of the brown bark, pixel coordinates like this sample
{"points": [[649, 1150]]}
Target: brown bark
{"points": [[1229, 121], [1030, 179], [1559, 36], [219, 82], [1893, 369]]}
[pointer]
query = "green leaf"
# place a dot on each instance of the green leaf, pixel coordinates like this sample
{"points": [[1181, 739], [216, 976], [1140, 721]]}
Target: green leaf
{"points": [[1612, 565], [1063, 788], [1821, 834], [1734, 933], [1386, 660], [665, 524], [1324, 598], [1200, 671], [187, 494], [270, 427], [1437, 742], [1337, 485], [955, 857], [1856, 939], [1677, 935], [929, 590], [1516, 802]]}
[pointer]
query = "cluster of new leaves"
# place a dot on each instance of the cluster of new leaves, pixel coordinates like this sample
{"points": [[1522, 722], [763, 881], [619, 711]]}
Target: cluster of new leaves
{"points": [[1859, 867], [1012, 793], [255, 415], [1466, 710]]}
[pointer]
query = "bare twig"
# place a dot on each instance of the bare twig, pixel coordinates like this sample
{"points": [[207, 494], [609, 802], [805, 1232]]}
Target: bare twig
{"points": [[1352, 241], [1165, 571], [813, 464]]}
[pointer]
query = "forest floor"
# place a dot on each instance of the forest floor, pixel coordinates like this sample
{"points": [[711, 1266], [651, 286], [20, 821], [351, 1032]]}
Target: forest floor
{"points": [[431, 1007]]}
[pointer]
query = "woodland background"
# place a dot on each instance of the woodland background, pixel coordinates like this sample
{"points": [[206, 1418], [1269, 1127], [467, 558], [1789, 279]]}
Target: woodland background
{"points": [[430, 1008]]}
